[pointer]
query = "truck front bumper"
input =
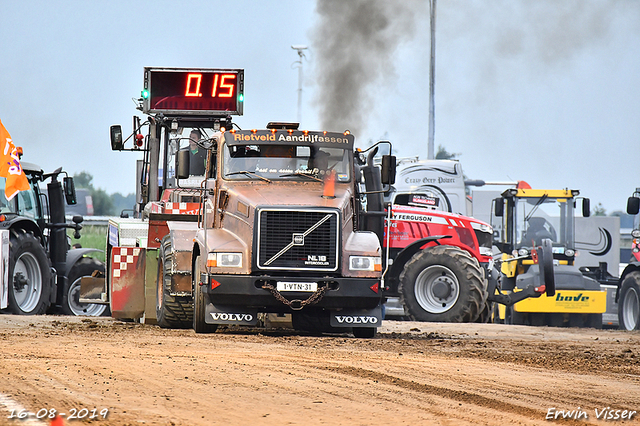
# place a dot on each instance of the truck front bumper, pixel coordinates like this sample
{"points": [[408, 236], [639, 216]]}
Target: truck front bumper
{"points": [[250, 291]]}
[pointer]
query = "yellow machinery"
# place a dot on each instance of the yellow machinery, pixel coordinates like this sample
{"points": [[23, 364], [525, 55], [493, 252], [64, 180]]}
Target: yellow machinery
{"points": [[526, 218]]}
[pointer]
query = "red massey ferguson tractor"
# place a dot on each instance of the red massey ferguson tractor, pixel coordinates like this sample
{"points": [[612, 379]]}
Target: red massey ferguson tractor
{"points": [[440, 262], [439, 265]]}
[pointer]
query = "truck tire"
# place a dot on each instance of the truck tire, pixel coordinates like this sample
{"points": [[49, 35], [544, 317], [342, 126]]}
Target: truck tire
{"points": [[199, 303], [443, 284], [629, 302], [71, 305], [29, 274], [171, 311]]}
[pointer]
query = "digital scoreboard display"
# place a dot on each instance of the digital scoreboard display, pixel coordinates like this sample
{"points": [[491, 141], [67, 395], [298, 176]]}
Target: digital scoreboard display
{"points": [[178, 91]]}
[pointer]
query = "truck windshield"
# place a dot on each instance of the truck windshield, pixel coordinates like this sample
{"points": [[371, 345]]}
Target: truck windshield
{"points": [[544, 217], [285, 162]]}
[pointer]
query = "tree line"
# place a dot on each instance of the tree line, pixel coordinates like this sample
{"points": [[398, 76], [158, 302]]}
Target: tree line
{"points": [[104, 204]]}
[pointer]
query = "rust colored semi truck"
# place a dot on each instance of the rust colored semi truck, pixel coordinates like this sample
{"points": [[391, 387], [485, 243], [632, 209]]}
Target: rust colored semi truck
{"points": [[236, 225]]}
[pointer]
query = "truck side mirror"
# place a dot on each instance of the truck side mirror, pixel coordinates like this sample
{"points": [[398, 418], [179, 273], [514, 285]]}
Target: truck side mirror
{"points": [[116, 138], [182, 164], [586, 207], [388, 172], [633, 205], [69, 190], [498, 207]]}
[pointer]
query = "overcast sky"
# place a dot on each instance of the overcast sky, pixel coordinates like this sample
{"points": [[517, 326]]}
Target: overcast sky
{"points": [[546, 91]]}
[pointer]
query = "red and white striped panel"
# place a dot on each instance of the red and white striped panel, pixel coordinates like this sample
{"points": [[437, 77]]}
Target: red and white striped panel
{"points": [[182, 208], [122, 258], [155, 207]]}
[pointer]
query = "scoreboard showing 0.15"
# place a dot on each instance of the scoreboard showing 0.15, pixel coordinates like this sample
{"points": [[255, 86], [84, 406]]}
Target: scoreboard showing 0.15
{"points": [[177, 91]]}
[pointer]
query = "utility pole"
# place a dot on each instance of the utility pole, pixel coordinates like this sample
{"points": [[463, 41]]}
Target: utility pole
{"points": [[432, 79], [300, 49]]}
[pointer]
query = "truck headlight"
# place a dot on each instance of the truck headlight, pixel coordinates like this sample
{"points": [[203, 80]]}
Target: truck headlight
{"points": [[224, 260], [365, 263]]}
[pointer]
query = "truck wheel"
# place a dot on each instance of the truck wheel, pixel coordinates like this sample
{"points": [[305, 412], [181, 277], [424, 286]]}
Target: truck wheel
{"points": [[199, 303], [443, 284], [71, 296], [29, 275], [629, 302], [171, 312], [364, 332]]}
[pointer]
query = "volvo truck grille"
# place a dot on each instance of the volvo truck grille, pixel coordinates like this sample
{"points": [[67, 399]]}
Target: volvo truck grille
{"points": [[298, 239]]}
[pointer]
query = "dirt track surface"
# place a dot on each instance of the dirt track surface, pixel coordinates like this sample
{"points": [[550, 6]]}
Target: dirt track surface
{"points": [[412, 373]]}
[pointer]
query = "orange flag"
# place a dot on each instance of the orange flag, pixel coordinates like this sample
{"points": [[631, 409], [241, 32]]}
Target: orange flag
{"points": [[10, 167]]}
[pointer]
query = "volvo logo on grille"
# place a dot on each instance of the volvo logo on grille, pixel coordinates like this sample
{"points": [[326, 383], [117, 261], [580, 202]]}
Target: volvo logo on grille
{"points": [[298, 239]]}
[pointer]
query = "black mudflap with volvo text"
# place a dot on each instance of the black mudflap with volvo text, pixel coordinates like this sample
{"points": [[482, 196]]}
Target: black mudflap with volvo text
{"points": [[356, 318], [230, 315]]}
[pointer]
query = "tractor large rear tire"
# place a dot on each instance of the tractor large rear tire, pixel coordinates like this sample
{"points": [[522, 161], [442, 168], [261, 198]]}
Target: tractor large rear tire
{"points": [[629, 302], [199, 303], [29, 275], [71, 305], [171, 311], [486, 314], [443, 284]]}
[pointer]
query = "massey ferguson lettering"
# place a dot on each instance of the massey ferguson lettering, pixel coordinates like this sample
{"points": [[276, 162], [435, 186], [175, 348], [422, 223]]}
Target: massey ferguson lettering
{"points": [[356, 319], [419, 217], [413, 217], [223, 316]]}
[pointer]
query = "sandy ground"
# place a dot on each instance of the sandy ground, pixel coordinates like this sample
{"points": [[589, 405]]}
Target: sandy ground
{"points": [[412, 373]]}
